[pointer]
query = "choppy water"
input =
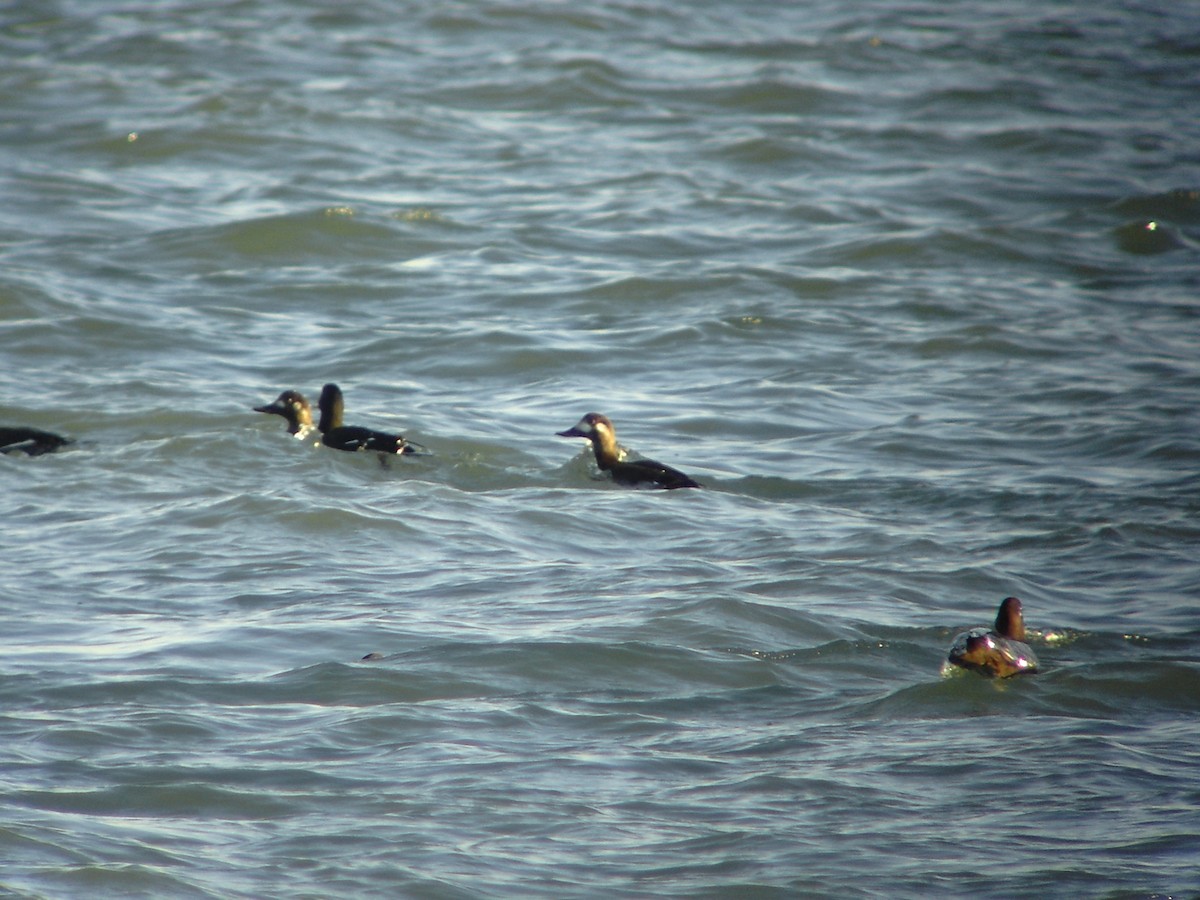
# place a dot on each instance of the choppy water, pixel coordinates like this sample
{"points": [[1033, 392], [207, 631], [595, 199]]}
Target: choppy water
{"points": [[912, 288]]}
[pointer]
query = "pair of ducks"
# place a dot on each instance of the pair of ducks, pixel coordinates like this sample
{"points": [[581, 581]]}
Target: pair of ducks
{"points": [[593, 427], [290, 404], [296, 410]]}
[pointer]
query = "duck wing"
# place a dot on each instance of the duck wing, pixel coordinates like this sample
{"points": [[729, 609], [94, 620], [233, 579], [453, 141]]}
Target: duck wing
{"points": [[647, 471], [352, 438]]}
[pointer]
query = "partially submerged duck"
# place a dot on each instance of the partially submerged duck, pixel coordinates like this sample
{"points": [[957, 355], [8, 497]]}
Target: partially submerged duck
{"points": [[30, 441], [295, 410], [352, 437], [646, 472], [1000, 652]]}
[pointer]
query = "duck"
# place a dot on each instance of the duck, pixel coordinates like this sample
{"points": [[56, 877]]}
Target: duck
{"points": [[352, 437], [1000, 652], [636, 472], [294, 408], [30, 441]]}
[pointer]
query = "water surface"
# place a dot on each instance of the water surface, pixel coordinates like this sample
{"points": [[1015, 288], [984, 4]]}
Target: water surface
{"points": [[912, 289]]}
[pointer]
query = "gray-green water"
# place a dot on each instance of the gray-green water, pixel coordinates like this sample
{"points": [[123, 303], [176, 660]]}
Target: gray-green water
{"points": [[912, 288]]}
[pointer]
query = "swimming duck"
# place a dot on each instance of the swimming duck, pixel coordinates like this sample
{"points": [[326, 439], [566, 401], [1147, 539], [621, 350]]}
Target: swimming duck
{"points": [[30, 441], [1001, 652], [599, 430], [295, 409], [352, 437]]}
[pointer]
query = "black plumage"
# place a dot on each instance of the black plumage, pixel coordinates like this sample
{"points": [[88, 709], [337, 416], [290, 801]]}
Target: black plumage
{"points": [[30, 441], [352, 437]]}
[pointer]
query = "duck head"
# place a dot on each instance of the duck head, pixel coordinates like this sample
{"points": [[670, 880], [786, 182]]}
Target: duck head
{"points": [[599, 430], [293, 407]]}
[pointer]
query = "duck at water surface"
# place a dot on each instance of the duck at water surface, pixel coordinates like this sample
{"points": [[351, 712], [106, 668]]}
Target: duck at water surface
{"points": [[636, 472], [30, 441], [1000, 652], [352, 437]]}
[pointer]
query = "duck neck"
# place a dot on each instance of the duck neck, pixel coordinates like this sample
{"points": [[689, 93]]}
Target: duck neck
{"points": [[331, 414], [604, 445], [1009, 621], [299, 421]]}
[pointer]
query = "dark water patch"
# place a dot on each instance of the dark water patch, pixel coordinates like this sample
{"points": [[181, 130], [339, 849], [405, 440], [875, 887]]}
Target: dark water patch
{"points": [[333, 232], [760, 97], [1116, 689], [126, 879], [535, 20], [171, 799], [1036, 142], [1147, 237], [703, 623], [1179, 205], [843, 659], [620, 670]]}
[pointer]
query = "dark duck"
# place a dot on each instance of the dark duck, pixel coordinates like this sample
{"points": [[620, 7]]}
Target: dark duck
{"points": [[635, 472], [1001, 652], [295, 410], [30, 441], [352, 437]]}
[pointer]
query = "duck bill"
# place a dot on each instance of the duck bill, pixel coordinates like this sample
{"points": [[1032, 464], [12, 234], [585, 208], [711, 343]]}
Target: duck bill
{"points": [[583, 428], [275, 408]]}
